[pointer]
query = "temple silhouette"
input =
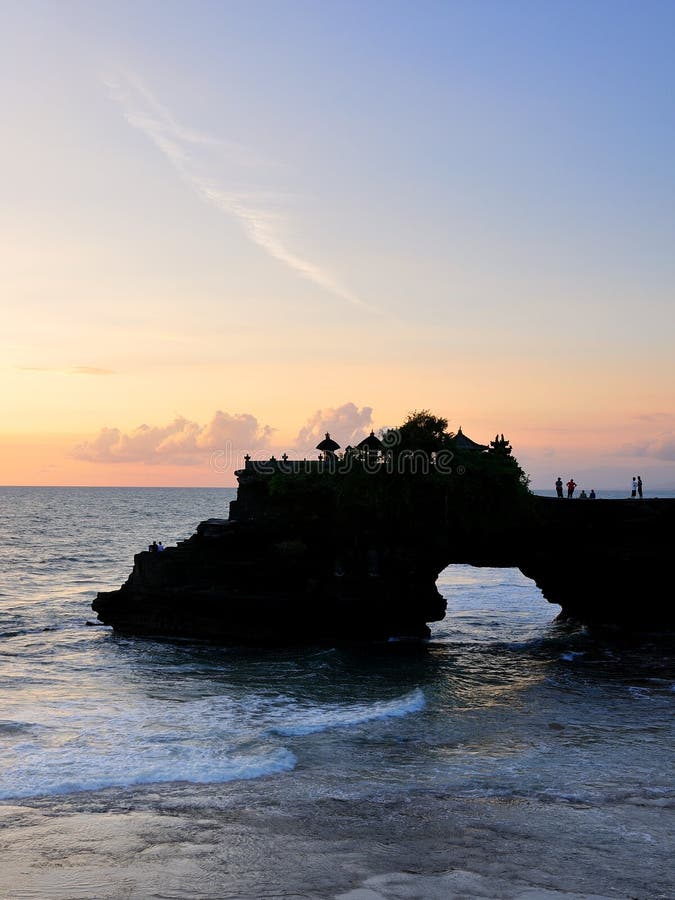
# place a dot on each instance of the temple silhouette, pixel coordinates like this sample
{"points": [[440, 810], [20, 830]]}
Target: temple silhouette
{"points": [[348, 546]]}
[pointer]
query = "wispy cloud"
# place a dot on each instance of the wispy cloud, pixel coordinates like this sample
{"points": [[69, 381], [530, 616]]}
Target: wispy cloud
{"points": [[71, 370], [661, 446], [191, 153], [656, 417]]}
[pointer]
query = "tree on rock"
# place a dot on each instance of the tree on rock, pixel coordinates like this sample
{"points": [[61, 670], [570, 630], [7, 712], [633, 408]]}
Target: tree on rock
{"points": [[423, 431]]}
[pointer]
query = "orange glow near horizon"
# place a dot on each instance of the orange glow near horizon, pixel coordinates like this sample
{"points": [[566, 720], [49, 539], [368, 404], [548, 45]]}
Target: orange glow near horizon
{"points": [[605, 452], [167, 437]]}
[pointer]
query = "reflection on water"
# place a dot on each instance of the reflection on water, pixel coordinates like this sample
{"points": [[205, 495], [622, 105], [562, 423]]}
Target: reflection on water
{"points": [[502, 701]]}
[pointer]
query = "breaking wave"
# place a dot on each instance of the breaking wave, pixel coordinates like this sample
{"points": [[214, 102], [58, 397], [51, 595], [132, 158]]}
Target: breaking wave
{"points": [[311, 721]]}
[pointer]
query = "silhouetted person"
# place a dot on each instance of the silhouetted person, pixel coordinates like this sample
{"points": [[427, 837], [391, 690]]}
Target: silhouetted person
{"points": [[153, 548], [583, 495], [633, 488], [559, 487], [160, 547], [571, 484], [591, 496], [639, 486]]}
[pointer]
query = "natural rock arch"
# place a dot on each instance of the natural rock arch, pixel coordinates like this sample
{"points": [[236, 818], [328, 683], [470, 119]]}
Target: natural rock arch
{"points": [[302, 561]]}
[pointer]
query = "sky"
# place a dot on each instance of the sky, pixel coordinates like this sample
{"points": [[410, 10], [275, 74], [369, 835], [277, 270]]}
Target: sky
{"points": [[229, 227]]}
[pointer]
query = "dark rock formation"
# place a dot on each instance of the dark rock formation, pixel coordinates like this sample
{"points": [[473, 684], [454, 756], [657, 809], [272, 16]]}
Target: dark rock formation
{"points": [[265, 583], [606, 562], [312, 558]]}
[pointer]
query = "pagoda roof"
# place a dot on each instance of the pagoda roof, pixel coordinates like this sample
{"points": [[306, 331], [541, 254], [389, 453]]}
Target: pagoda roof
{"points": [[372, 442], [328, 444], [462, 442]]}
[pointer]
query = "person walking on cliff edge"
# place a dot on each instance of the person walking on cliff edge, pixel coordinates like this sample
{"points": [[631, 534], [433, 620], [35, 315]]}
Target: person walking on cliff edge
{"points": [[559, 488], [639, 486], [633, 488], [571, 484]]}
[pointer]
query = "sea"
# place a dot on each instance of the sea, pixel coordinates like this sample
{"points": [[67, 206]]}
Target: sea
{"points": [[508, 756]]}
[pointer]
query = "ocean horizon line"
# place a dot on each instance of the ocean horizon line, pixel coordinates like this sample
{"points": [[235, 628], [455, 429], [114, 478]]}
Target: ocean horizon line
{"points": [[652, 494]]}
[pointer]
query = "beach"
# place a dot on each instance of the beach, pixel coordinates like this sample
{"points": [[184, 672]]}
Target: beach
{"points": [[251, 840]]}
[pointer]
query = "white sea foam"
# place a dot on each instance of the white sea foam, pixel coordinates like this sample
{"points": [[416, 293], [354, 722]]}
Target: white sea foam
{"points": [[121, 770], [640, 692], [310, 721], [91, 743]]}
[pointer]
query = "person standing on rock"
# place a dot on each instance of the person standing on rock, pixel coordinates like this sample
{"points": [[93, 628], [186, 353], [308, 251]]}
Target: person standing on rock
{"points": [[559, 488], [633, 488], [571, 484], [639, 486]]}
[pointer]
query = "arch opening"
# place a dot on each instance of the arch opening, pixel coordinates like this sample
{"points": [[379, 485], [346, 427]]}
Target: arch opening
{"points": [[491, 604]]}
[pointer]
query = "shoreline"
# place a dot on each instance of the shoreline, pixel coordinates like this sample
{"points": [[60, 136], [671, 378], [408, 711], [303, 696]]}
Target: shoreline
{"points": [[278, 836]]}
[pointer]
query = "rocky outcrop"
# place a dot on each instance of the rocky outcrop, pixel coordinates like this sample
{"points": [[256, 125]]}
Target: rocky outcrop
{"points": [[606, 562], [315, 564], [263, 582]]}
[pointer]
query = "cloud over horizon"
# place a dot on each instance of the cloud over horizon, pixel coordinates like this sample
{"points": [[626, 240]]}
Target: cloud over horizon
{"points": [[661, 447], [182, 442], [347, 424]]}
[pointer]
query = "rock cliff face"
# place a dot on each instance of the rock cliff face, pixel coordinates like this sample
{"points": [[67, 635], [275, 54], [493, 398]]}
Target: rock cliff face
{"points": [[312, 565], [264, 583], [606, 562]]}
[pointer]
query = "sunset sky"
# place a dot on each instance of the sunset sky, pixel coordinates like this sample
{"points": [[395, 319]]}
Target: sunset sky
{"points": [[235, 225]]}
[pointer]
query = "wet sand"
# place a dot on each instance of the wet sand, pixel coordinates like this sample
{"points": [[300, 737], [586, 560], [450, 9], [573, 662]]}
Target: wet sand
{"points": [[276, 838]]}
